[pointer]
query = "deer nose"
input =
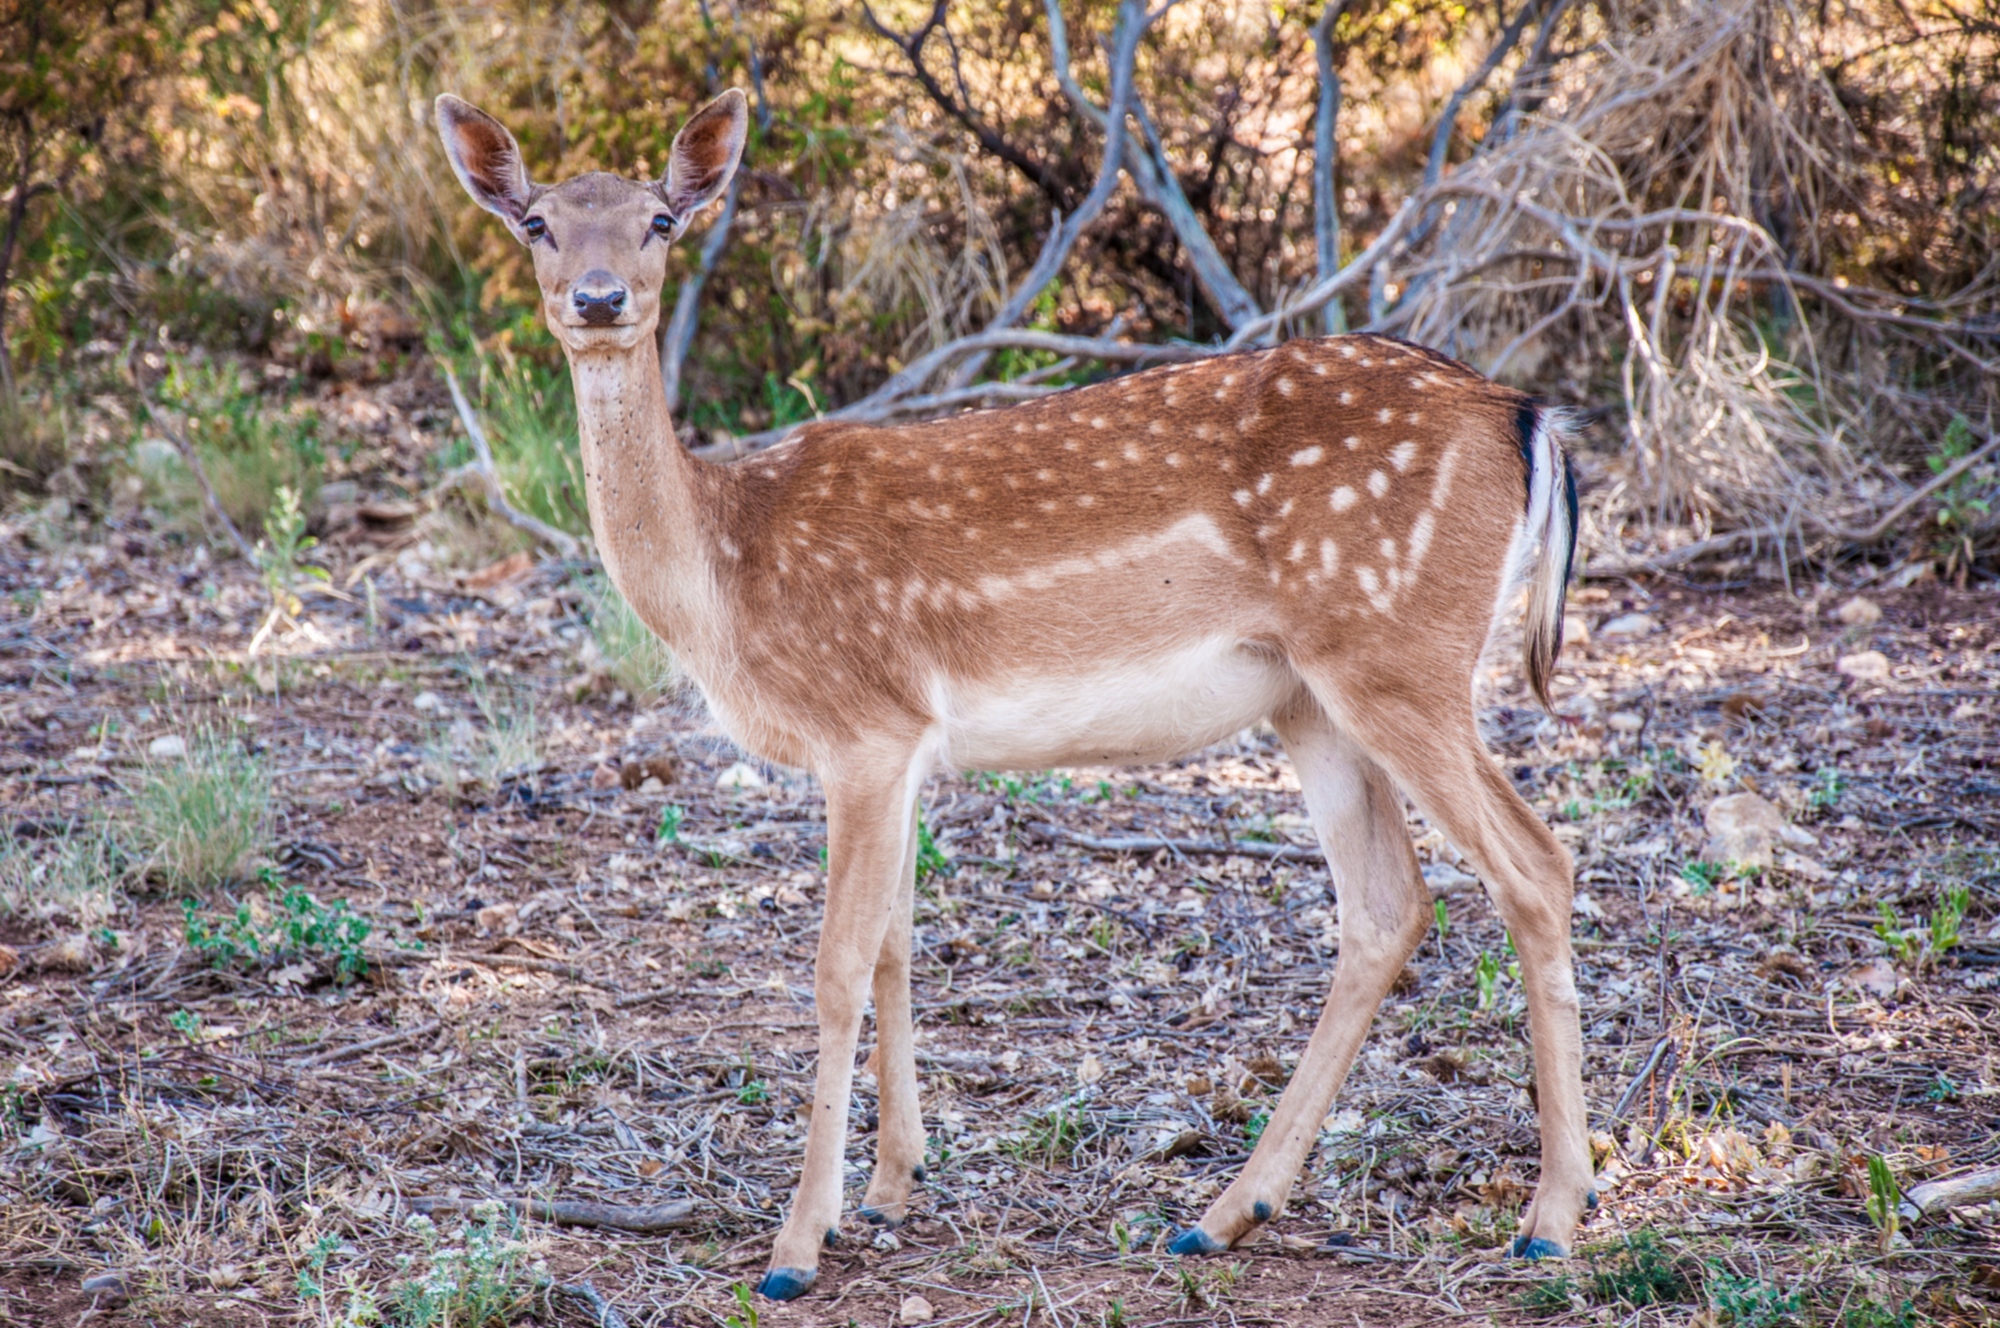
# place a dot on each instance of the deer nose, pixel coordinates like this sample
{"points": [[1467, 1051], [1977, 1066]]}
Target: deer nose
{"points": [[599, 297]]}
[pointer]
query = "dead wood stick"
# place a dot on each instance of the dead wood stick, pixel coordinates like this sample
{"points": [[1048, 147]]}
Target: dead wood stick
{"points": [[488, 476], [1208, 847], [353, 1049], [1935, 1196], [641, 1218], [193, 460], [1687, 553]]}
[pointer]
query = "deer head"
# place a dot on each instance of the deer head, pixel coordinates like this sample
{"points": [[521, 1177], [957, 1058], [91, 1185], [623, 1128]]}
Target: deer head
{"points": [[599, 240]]}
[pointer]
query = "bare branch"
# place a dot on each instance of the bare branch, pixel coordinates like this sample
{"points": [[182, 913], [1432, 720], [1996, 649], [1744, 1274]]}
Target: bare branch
{"points": [[1159, 185], [1441, 139], [1259, 330], [677, 333], [192, 459], [912, 47], [1326, 154], [1131, 26], [488, 477]]}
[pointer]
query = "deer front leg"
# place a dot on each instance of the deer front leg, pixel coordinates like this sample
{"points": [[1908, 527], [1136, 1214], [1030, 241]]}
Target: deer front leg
{"points": [[868, 826], [899, 1139]]}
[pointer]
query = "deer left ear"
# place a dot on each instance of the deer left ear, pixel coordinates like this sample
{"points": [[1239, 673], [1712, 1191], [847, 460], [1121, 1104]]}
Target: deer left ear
{"points": [[705, 154]]}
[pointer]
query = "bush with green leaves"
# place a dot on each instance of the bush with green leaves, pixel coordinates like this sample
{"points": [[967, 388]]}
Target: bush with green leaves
{"points": [[200, 820], [281, 928], [488, 1277]]}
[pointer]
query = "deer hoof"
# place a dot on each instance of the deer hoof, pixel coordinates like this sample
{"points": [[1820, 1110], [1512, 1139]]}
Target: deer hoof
{"points": [[786, 1283], [887, 1218], [1537, 1247], [1195, 1241]]}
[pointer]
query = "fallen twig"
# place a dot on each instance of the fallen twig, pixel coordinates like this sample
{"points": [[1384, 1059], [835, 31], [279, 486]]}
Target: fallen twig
{"points": [[641, 1218], [353, 1049], [607, 1317], [488, 477], [1209, 847]]}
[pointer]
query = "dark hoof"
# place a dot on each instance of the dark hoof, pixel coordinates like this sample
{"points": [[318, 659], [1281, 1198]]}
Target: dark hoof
{"points": [[1261, 1211], [918, 1175], [786, 1283], [879, 1218], [1535, 1247], [1195, 1241], [1590, 1201]]}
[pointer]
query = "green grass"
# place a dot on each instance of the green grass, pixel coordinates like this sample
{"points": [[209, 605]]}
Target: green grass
{"points": [[250, 445], [73, 872], [638, 661], [1636, 1272], [200, 821]]}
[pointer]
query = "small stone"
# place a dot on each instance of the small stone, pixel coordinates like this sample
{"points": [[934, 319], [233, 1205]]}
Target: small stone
{"points": [[1625, 721], [501, 918], [1576, 630], [1859, 612], [426, 703], [916, 1310], [886, 1242], [168, 747], [605, 777], [1865, 666], [1630, 624], [112, 1286], [1445, 879], [1747, 829], [739, 777]]}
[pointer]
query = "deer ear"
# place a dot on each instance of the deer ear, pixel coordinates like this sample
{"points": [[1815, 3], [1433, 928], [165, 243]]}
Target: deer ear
{"points": [[485, 157], [705, 154]]}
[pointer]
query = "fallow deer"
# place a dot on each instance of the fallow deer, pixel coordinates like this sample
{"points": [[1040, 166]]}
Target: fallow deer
{"points": [[1322, 534]]}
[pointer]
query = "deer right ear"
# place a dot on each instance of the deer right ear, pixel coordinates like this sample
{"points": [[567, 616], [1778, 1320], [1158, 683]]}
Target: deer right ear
{"points": [[485, 157]]}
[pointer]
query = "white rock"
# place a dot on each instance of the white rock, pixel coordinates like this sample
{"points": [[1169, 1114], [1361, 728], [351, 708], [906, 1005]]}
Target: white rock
{"points": [[1625, 721], [1445, 879], [1630, 624], [169, 747], [1747, 829], [916, 1310], [427, 703], [1859, 612], [1576, 630], [1865, 666], [740, 776]]}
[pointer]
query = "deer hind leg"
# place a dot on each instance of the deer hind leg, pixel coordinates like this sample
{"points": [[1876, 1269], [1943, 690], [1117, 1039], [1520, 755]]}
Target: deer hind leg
{"points": [[868, 832], [1384, 913], [899, 1140], [1432, 749]]}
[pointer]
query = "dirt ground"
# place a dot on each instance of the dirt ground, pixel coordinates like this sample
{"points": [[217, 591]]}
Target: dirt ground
{"points": [[564, 1004]]}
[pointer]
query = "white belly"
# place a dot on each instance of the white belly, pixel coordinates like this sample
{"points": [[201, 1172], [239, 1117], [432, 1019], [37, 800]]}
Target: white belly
{"points": [[1152, 709]]}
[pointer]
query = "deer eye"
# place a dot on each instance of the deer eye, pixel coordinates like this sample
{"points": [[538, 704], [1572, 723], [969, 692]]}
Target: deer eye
{"points": [[663, 226], [534, 228]]}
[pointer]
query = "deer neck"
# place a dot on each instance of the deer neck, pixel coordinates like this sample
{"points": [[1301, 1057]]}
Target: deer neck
{"points": [[651, 505]]}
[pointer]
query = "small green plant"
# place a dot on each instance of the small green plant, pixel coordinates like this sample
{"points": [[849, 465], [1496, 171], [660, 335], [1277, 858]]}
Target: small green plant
{"points": [[931, 860], [1827, 787], [1941, 1089], [753, 1092], [1443, 916], [1752, 1302], [280, 929], [1253, 1129], [281, 554], [1947, 922], [746, 1308], [636, 660], [361, 1309], [484, 1280], [1640, 1270], [1884, 1201], [671, 818], [1962, 502], [1702, 876], [185, 1022], [1486, 973], [1053, 1136], [198, 821]]}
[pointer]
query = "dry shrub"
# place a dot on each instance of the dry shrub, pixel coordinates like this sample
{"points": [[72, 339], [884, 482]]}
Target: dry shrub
{"points": [[1674, 219]]}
